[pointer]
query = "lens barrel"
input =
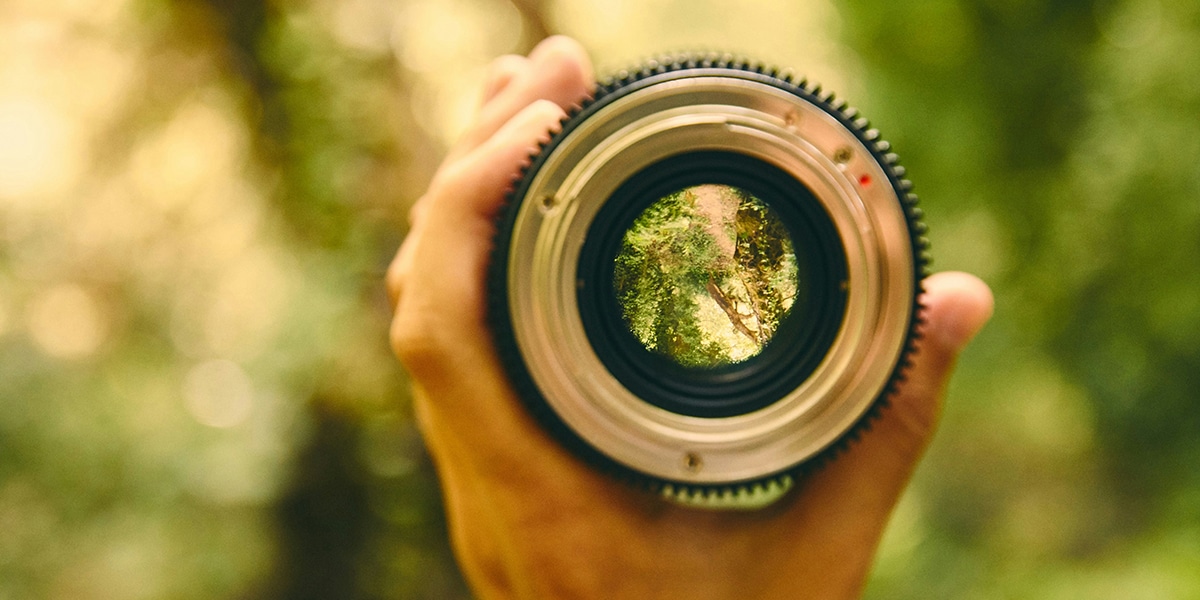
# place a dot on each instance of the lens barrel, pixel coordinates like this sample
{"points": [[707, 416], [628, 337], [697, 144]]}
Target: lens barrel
{"points": [[707, 282]]}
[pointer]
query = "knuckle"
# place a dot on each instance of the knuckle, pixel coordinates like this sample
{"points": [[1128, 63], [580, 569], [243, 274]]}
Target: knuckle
{"points": [[416, 211], [448, 181], [401, 268], [503, 65], [916, 407], [417, 343], [547, 110], [918, 419], [566, 69]]}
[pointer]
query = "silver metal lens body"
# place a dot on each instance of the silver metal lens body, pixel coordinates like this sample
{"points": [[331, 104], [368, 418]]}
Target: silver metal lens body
{"points": [[709, 110]]}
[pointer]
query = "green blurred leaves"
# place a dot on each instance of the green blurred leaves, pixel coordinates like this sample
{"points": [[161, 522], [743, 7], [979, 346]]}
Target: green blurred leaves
{"points": [[198, 199]]}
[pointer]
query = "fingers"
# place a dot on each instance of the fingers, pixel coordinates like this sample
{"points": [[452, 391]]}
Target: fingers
{"points": [[558, 70], [475, 185], [500, 73], [438, 275], [436, 282]]}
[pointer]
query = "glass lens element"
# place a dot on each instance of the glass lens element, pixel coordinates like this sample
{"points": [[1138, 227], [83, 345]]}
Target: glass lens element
{"points": [[706, 275]]}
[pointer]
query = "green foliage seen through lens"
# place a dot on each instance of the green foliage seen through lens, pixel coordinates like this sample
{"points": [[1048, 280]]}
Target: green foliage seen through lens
{"points": [[705, 275]]}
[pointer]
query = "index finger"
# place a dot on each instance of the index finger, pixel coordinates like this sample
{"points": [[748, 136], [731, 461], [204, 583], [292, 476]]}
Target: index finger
{"points": [[558, 70]]}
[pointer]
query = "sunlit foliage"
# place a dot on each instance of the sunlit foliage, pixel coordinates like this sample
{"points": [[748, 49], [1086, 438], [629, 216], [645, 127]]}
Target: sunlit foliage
{"points": [[705, 275]]}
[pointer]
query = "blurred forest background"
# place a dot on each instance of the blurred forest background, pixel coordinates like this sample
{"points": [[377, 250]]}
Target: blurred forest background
{"points": [[198, 199]]}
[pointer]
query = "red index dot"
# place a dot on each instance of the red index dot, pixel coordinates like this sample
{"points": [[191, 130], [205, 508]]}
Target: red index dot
{"points": [[864, 180]]}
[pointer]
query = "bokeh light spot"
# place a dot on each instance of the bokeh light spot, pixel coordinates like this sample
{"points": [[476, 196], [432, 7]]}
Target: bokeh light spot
{"points": [[218, 393], [40, 151], [199, 145], [66, 322], [364, 25]]}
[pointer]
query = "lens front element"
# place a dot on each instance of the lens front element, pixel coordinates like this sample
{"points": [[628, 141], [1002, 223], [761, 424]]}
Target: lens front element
{"points": [[705, 275]]}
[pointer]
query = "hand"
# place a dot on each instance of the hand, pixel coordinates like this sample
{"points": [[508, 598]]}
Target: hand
{"points": [[527, 519]]}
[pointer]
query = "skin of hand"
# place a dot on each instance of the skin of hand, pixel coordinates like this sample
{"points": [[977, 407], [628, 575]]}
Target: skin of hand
{"points": [[527, 519]]}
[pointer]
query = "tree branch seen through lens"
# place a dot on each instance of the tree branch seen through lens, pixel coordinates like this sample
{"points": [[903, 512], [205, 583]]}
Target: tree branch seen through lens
{"points": [[705, 275]]}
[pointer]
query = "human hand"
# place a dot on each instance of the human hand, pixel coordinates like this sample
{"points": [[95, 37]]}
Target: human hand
{"points": [[529, 520]]}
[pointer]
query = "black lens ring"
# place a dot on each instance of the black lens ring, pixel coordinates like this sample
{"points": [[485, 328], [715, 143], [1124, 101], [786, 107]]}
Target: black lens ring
{"points": [[804, 336]]}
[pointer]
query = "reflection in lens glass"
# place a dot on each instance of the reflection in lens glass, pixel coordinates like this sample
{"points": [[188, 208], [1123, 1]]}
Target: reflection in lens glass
{"points": [[705, 275]]}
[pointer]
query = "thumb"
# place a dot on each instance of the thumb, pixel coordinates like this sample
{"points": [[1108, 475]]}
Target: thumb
{"points": [[851, 498], [957, 305]]}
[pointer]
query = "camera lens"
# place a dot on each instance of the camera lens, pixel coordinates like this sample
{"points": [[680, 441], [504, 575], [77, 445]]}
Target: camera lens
{"points": [[707, 281]]}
